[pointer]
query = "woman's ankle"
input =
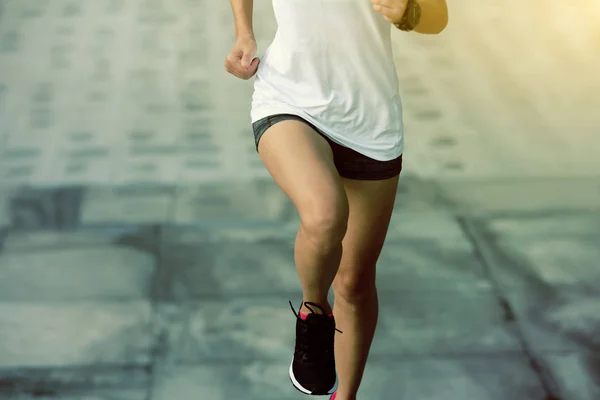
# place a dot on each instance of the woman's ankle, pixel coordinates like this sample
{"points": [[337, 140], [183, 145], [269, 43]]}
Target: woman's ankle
{"points": [[323, 307], [340, 396]]}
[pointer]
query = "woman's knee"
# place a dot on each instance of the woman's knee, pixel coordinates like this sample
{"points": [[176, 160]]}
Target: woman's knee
{"points": [[355, 285], [325, 219]]}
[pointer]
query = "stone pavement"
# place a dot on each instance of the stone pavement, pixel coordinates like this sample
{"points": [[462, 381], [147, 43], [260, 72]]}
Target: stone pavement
{"points": [[146, 254]]}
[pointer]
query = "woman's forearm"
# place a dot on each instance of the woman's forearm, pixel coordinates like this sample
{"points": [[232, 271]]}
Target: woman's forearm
{"points": [[242, 17], [434, 16]]}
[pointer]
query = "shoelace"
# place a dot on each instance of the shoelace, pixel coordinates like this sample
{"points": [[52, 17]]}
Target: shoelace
{"points": [[315, 338]]}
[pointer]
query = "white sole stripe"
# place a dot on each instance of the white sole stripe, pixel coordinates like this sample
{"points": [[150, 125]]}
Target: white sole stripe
{"points": [[298, 386]]}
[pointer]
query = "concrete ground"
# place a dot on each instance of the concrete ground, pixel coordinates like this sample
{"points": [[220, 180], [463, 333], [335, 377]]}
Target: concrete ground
{"points": [[146, 254]]}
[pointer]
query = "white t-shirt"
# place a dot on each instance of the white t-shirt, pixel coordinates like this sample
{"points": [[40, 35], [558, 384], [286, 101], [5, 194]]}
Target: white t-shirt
{"points": [[331, 63]]}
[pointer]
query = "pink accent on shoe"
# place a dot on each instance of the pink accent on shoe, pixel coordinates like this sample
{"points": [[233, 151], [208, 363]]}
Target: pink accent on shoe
{"points": [[303, 316], [333, 396]]}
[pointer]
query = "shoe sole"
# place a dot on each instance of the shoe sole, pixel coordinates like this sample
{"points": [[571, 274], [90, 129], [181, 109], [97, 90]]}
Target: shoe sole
{"points": [[300, 388]]}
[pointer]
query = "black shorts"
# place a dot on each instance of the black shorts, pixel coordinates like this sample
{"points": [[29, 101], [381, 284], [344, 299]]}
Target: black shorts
{"points": [[349, 163]]}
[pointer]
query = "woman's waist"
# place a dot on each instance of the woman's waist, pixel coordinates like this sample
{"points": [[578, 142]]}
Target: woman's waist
{"points": [[330, 73]]}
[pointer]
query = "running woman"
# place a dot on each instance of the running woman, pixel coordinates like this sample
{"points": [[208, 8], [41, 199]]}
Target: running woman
{"points": [[327, 120]]}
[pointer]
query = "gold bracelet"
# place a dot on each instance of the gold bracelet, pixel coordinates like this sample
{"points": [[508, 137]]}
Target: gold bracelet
{"points": [[402, 26]]}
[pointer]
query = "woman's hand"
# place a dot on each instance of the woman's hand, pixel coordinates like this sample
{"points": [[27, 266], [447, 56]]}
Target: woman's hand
{"points": [[434, 13], [241, 61], [392, 10]]}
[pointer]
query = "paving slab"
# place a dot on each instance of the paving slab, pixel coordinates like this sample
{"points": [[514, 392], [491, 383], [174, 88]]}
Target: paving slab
{"points": [[75, 307], [544, 225], [234, 329], [60, 207], [424, 225], [83, 333], [128, 204], [74, 380], [128, 394], [577, 374], [489, 378], [231, 263], [422, 252], [420, 195], [442, 322], [265, 265], [97, 271], [547, 268], [5, 196], [429, 265], [546, 261], [545, 250], [558, 319], [411, 323], [43, 208], [141, 237], [559, 194], [258, 201]]}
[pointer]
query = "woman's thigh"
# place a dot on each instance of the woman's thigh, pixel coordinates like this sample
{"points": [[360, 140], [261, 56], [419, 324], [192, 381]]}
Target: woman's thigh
{"points": [[301, 162], [371, 205]]}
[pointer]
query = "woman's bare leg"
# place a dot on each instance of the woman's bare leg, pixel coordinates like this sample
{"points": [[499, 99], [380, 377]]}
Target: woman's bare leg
{"points": [[356, 304], [301, 163]]}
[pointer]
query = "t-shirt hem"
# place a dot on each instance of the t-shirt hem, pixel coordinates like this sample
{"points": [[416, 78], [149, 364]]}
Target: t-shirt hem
{"points": [[258, 113]]}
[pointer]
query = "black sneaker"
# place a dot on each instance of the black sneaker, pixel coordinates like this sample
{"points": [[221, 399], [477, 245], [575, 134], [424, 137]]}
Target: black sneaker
{"points": [[312, 370]]}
